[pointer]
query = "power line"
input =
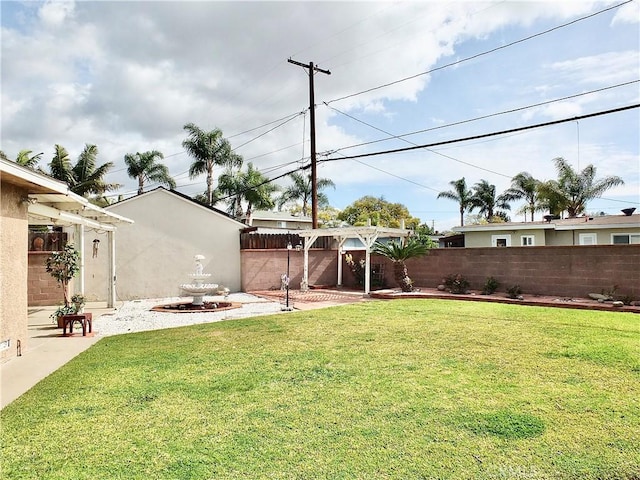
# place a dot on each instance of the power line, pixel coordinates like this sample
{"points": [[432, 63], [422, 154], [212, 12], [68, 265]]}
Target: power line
{"points": [[268, 131], [412, 143], [483, 117], [493, 134], [477, 55]]}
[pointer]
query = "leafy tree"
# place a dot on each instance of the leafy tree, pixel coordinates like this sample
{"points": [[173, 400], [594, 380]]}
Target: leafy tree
{"points": [[250, 187], [209, 149], [399, 253], [485, 200], [145, 168], [460, 194], [84, 178], [525, 187], [423, 233], [63, 266], [572, 190], [328, 217], [25, 159], [381, 213], [300, 190]]}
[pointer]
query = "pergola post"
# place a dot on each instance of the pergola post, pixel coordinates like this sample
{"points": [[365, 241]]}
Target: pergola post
{"points": [[367, 235], [340, 252], [79, 234], [308, 241]]}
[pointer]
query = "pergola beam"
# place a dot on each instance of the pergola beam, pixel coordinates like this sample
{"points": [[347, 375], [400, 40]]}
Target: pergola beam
{"points": [[366, 235]]}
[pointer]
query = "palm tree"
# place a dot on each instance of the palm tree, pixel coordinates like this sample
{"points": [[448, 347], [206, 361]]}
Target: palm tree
{"points": [[144, 168], [572, 190], [83, 178], [258, 191], [485, 200], [25, 159], [209, 149], [460, 194], [89, 178], [301, 190], [399, 253], [525, 187], [248, 186], [60, 165]]}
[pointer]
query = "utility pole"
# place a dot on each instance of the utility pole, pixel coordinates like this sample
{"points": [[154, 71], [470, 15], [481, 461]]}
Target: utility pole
{"points": [[312, 111]]}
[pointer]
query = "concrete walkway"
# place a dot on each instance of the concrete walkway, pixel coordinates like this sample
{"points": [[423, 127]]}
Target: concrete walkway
{"points": [[47, 350]]}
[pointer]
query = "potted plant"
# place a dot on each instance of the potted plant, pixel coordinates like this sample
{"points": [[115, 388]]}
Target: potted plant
{"points": [[78, 302], [63, 266]]}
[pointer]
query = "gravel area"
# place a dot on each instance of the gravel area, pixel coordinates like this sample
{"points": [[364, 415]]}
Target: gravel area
{"points": [[136, 315]]}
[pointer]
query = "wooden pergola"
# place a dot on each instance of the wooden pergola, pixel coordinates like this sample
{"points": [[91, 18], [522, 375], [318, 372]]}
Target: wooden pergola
{"points": [[367, 235]]}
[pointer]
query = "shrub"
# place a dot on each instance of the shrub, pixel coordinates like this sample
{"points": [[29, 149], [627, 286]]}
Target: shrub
{"points": [[514, 292], [456, 283], [490, 286]]}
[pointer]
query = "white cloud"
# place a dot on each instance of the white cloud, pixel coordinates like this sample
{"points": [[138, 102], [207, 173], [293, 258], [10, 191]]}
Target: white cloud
{"points": [[54, 13], [629, 13], [604, 69], [128, 75]]}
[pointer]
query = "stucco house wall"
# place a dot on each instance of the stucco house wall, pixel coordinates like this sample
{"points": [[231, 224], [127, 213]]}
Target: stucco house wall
{"points": [[156, 253], [484, 239], [13, 270], [557, 238], [561, 232]]}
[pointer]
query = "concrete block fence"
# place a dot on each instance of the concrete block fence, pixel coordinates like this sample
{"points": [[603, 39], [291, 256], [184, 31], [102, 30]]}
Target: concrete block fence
{"points": [[565, 271]]}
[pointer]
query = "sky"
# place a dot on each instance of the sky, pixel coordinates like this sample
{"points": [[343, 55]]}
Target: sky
{"points": [[127, 77]]}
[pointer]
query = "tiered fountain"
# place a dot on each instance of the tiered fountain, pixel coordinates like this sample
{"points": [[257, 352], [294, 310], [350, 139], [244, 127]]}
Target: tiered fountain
{"points": [[198, 289]]}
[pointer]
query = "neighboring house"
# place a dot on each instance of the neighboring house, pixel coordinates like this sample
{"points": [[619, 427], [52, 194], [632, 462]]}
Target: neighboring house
{"points": [[28, 197], [599, 230], [156, 254], [283, 221], [451, 241]]}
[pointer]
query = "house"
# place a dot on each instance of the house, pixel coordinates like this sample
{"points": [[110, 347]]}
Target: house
{"points": [[266, 222], [28, 197], [599, 230], [156, 253]]}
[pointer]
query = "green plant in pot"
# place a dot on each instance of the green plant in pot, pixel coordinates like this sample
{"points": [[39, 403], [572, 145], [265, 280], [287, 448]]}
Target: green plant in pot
{"points": [[63, 266]]}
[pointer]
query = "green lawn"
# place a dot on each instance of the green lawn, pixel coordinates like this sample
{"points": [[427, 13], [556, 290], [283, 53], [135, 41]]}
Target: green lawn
{"points": [[398, 389]]}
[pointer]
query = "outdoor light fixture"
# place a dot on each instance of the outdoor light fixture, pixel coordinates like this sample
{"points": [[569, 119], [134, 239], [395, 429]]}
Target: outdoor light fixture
{"points": [[287, 279], [289, 247]]}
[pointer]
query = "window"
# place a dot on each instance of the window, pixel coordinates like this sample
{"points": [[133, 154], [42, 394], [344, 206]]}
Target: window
{"points": [[625, 238], [282, 224], [528, 240], [501, 240], [588, 239]]}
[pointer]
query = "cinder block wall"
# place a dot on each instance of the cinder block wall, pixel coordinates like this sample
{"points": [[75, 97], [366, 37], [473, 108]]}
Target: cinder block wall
{"points": [[564, 271], [262, 269], [43, 289]]}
